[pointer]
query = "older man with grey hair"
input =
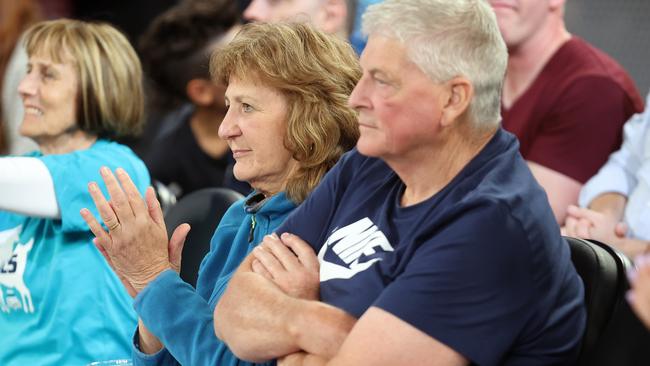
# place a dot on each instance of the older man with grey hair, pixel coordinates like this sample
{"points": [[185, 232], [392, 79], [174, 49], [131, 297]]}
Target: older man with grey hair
{"points": [[430, 243]]}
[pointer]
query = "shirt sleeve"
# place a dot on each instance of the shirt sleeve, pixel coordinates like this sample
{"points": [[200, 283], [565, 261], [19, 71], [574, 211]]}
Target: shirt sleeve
{"points": [[183, 322], [583, 129], [459, 289], [72, 172], [618, 175], [26, 188]]}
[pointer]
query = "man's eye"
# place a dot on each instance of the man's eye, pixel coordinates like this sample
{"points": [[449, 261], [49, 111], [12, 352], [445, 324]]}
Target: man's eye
{"points": [[246, 108], [381, 81]]}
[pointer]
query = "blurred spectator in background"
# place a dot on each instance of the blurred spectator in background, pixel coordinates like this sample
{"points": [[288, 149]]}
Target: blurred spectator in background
{"points": [[616, 201], [357, 38], [15, 17], [186, 107], [330, 16], [564, 99], [132, 17], [61, 304]]}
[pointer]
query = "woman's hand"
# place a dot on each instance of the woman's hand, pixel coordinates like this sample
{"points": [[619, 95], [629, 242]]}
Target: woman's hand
{"points": [[135, 245], [590, 224], [290, 263]]}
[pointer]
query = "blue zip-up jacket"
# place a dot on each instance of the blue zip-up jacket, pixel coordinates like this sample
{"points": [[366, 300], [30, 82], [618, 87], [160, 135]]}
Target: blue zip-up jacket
{"points": [[180, 316]]}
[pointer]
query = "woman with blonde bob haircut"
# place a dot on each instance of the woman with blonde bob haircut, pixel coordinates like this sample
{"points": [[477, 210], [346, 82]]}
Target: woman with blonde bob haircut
{"points": [[61, 302], [111, 98], [287, 124]]}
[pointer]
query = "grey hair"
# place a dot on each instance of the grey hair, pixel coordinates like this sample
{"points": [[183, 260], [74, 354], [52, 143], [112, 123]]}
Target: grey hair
{"points": [[447, 39]]}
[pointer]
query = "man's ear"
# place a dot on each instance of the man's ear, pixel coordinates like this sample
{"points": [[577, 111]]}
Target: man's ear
{"points": [[333, 17], [460, 93], [200, 92]]}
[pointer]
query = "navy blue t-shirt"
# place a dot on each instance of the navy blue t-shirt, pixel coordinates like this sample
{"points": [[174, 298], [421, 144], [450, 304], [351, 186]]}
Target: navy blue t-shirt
{"points": [[480, 266]]}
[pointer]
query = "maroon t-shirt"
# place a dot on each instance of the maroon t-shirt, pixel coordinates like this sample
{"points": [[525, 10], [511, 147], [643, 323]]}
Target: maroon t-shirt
{"points": [[571, 118]]}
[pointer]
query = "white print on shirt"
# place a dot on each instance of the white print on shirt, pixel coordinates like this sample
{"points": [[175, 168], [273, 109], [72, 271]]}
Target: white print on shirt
{"points": [[349, 243], [12, 269]]}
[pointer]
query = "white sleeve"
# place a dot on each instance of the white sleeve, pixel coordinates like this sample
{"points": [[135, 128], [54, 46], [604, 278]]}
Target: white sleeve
{"points": [[26, 188], [618, 175]]}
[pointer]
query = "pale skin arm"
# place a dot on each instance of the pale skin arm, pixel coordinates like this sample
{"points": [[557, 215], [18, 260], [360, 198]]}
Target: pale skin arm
{"points": [[135, 245], [561, 190], [259, 321], [378, 338]]}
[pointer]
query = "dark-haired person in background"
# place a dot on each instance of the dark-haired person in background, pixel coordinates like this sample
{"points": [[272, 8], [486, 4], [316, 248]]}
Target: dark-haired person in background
{"points": [[187, 107]]}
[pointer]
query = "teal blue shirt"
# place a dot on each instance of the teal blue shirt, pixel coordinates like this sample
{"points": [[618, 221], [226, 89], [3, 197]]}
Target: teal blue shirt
{"points": [[180, 316], [60, 303]]}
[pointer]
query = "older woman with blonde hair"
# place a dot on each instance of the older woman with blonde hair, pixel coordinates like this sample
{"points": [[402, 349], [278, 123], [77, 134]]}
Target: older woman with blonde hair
{"points": [[61, 303], [287, 124]]}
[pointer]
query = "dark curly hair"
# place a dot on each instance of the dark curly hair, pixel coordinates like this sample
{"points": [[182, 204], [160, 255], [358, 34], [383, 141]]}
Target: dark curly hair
{"points": [[176, 46]]}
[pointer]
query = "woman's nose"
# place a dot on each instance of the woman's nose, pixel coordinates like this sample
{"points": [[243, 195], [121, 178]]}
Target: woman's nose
{"points": [[27, 85], [229, 127]]}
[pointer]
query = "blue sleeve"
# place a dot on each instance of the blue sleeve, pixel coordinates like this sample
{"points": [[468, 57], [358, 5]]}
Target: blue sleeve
{"points": [[458, 289], [180, 316], [72, 172], [183, 321]]}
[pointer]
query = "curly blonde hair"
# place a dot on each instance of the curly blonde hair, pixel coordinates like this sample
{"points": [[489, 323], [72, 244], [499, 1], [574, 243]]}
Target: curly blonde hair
{"points": [[316, 73]]}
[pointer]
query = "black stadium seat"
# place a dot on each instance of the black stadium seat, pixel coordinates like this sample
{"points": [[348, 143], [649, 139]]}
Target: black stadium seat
{"points": [[614, 335], [201, 209]]}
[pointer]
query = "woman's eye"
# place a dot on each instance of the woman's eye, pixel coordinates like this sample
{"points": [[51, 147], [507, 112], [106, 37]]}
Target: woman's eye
{"points": [[47, 74]]}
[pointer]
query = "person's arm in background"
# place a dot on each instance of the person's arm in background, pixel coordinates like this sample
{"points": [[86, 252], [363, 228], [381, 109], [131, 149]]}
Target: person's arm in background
{"points": [[27, 188], [561, 189], [605, 195], [581, 131]]}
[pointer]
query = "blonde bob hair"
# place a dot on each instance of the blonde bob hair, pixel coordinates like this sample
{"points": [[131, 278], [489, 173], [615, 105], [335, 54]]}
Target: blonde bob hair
{"points": [[110, 100], [316, 73]]}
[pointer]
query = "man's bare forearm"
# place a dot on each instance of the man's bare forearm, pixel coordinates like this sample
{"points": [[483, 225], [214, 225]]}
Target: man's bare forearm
{"points": [[259, 322]]}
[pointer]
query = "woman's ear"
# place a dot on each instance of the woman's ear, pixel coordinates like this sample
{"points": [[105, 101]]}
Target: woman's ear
{"points": [[460, 95]]}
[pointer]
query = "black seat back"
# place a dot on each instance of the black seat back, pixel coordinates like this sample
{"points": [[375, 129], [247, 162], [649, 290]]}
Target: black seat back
{"points": [[614, 335], [203, 210]]}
